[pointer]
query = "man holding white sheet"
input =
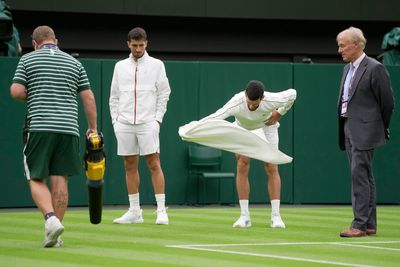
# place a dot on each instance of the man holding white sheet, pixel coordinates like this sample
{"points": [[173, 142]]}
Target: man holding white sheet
{"points": [[255, 109]]}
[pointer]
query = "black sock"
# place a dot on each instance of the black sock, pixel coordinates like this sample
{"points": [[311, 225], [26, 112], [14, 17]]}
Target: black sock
{"points": [[49, 214]]}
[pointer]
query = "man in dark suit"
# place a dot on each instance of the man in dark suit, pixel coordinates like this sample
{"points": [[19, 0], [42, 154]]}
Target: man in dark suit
{"points": [[365, 107]]}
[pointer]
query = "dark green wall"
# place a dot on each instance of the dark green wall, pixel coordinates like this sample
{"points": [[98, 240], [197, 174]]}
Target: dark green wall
{"points": [[14, 190], [265, 9], [387, 158], [320, 169], [318, 174]]}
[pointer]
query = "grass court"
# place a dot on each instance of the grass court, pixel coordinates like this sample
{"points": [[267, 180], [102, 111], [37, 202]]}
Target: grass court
{"points": [[203, 237]]}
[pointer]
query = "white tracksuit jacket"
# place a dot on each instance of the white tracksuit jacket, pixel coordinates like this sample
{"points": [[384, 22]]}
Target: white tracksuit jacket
{"points": [[139, 90]]}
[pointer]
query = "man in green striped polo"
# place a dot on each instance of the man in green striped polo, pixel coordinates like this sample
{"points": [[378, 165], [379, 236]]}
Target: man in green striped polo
{"points": [[50, 80]]}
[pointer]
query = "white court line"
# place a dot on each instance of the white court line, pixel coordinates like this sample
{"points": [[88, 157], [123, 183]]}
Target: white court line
{"points": [[274, 256], [283, 244], [207, 247], [363, 246]]}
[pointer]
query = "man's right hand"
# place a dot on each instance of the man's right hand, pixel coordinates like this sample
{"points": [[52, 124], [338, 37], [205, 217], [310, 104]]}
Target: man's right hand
{"points": [[89, 131]]}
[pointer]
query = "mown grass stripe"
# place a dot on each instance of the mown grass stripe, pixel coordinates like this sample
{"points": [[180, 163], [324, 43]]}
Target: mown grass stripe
{"points": [[108, 244]]}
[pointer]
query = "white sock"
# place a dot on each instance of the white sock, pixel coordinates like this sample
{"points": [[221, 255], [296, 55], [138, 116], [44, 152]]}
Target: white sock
{"points": [[134, 203], [275, 206], [160, 198], [244, 206]]}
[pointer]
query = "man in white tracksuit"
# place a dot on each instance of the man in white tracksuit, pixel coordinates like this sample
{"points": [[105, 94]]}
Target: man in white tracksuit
{"points": [[138, 101], [256, 109]]}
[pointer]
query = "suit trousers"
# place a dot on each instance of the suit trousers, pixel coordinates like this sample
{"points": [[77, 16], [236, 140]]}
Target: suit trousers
{"points": [[363, 184]]}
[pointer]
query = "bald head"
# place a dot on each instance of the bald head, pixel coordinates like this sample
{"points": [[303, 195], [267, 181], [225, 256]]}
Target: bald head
{"points": [[43, 34]]}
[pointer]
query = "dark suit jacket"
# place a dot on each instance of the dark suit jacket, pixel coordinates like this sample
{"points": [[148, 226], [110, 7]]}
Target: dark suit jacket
{"points": [[370, 105]]}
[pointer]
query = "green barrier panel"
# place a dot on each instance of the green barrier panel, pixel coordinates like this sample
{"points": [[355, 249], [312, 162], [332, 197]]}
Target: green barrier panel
{"points": [[114, 182], [320, 169], [14, 189], [386, 159], [182, 108]]}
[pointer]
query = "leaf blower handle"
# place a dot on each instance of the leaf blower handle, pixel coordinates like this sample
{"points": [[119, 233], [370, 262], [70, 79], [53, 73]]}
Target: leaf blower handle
{"points": [[95, 165]]}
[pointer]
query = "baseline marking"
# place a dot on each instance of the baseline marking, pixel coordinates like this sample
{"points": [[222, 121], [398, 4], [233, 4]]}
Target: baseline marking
{"points": [[284, 244], [209, 248], [363, 246]]}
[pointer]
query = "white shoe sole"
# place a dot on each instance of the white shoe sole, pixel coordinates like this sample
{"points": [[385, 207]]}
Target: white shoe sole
{"points": [[116, 221], [277, 225], [51, 240], [238, 225], [59, 243], [241, 226]]}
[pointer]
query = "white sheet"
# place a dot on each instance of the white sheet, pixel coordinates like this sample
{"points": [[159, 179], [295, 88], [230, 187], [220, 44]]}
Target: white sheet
{"points": [[226, 136]]}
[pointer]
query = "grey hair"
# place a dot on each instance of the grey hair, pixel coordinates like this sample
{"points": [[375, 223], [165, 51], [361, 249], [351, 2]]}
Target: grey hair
{"points": [[356, 35]]}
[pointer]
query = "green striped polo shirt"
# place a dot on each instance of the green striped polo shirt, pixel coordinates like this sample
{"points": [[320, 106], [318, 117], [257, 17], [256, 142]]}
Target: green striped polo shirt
{"points": [[53, 80]]}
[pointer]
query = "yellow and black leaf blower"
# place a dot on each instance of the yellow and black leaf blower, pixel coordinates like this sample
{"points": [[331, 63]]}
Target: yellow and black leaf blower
{"points": [[95, 166]]}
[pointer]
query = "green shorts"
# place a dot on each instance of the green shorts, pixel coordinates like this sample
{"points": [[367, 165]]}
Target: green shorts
{"points": [[47, 154]]}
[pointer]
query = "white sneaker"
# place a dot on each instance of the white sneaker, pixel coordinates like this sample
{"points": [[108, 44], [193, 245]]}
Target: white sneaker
{"points": [[243, 222], [52, 230], [162, 217], [131, 216], [276, 221], [59, 243]]}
